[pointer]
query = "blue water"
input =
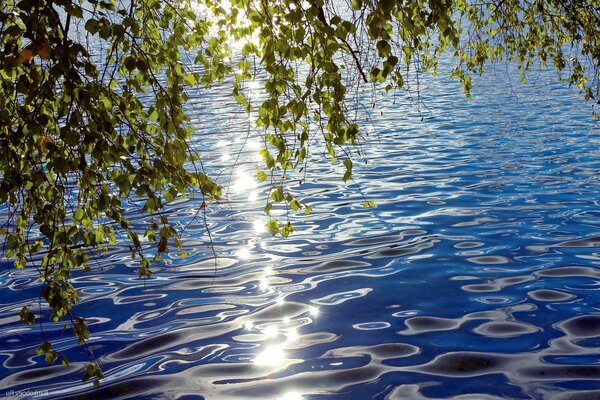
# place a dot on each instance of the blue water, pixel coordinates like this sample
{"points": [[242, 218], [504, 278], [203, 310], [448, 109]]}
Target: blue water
{"points": [[475, 277]]}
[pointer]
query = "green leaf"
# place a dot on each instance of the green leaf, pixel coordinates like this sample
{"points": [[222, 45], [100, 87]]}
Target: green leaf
{"points": [[74, 10], [190, 79], [368, 204], [27, 317], [272, 227], [268, 208], [295, 205], [171, 194], [79, 214], [277, 194], [261, 176]]}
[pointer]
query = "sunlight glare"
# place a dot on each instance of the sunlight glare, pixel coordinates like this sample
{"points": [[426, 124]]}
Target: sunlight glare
{"points": [[292, 334], [263, 285], [253, 144], [254, 84], [314, 311], [270, 331], [291, 396], [271, 356], [243, 253], [259, 227], [243, 182]]}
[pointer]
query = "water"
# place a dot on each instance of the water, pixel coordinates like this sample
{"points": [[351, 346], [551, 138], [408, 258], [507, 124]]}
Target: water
{"points": [[476, 277]]}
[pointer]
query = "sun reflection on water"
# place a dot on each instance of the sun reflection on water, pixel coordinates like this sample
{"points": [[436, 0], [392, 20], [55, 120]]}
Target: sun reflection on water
{"points": [[271, 331], [292, 334], [253, 196], [263, 285], [271, 356], [260, 227], [291, 396], [243, 182], [243, 253]]}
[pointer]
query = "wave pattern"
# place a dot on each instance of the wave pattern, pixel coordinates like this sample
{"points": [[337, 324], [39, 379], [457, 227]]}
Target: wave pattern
{"points": [[476, 277]]}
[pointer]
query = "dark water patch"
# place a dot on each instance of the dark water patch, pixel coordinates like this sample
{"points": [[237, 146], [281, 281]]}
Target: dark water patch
{"points": [[570, 271], [338, 265], [159, 342], [32, 377], [463, 364], [397, 252], [549, 295], [489, 260], [560, 373], [587, 242], [416, 325], [384, 351], [505, 329], [582, 326], [481, 288], [135, 388]]}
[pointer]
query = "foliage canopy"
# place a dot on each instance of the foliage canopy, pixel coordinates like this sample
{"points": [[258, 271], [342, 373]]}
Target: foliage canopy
{"points": [[93, 94]]}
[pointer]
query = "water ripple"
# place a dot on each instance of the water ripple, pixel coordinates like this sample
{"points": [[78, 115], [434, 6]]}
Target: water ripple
{"points": [[475, 277]]}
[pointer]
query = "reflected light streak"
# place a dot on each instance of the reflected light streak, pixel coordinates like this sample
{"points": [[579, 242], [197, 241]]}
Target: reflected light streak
{"points": [[263, 285], [270, 331], [243, 253], [271, 356], [292, 334], [243, 182], [291, 396], [260, 227], [254, 84], [253, 145]]}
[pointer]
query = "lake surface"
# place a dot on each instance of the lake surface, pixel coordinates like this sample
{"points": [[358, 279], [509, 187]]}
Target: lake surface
{"points": [[476, 276]]}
